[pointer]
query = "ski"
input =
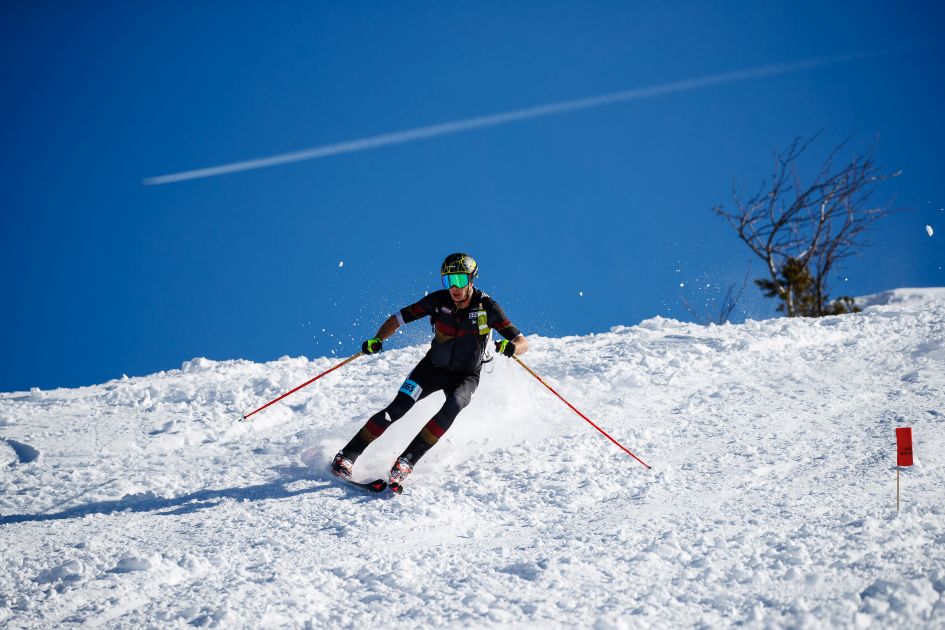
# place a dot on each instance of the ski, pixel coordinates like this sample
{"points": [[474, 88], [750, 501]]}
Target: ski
{"points": [[396, 488], [378, 485]]}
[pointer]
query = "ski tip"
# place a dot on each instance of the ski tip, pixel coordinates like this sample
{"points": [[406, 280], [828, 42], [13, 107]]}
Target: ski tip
{"points": [[396, 488]]}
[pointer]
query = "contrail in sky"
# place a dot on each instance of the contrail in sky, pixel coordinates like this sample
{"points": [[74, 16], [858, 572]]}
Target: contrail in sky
{"points": [[479, 122]]}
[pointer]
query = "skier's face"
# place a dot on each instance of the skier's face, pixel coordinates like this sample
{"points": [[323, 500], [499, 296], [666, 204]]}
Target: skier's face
{"points": [[460, 295]]}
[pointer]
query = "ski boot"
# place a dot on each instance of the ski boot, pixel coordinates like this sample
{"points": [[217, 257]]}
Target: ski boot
{"points": [[341, 466], [398, 472]]}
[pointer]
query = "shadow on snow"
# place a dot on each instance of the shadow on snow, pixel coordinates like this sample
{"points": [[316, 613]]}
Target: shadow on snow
{"points": [[201, 499]]}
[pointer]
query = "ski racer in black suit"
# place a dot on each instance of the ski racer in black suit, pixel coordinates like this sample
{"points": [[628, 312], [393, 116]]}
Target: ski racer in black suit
{"points": [[462, 317]]}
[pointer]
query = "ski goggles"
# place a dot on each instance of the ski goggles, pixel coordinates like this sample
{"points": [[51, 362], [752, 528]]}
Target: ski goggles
{"points": [[451, 280]]}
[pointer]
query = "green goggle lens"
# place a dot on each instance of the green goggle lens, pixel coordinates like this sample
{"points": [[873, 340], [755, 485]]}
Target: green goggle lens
{"points": [[455, 280]]}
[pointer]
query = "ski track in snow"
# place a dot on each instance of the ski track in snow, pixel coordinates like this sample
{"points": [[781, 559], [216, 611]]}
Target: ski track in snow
{"points": [[771, 503]]}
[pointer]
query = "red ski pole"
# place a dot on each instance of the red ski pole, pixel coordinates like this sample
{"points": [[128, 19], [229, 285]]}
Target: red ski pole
{"points": [[574, 409], [305, 384]]}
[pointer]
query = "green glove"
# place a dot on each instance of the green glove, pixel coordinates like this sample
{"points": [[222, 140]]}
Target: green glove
{"points": [[372, 346], [505, 347]]}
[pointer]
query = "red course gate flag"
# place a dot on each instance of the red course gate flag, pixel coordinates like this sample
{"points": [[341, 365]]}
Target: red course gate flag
{"points": [[904, 446]]}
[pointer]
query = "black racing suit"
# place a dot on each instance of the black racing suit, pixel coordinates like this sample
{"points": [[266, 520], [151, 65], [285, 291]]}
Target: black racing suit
{"points": [[452, 365]]}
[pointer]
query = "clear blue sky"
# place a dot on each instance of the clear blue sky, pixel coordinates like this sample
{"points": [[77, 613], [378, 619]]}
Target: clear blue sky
{"points": [[103, 276]]}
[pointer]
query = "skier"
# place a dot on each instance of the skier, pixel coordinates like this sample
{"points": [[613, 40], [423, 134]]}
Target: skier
{"points": [[462, 317]]}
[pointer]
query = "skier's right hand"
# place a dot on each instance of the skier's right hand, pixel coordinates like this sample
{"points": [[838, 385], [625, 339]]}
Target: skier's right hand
{"points": [[372, 346]]}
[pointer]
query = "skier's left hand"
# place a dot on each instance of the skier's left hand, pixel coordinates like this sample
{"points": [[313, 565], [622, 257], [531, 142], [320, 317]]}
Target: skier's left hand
{"points": [[505, 347]]}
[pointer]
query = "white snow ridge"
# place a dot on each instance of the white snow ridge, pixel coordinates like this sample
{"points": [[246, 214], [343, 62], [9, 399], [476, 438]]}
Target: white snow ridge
{"points": [[771, 503]]}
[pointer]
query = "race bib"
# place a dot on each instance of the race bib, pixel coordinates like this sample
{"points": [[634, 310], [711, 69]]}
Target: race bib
{"points": [[412, 389]]}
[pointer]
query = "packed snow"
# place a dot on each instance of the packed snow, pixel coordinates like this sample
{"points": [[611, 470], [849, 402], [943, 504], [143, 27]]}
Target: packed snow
{"points": [[771, 502]]}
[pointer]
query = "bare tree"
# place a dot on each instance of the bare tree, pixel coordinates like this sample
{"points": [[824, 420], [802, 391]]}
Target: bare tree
{"points": [[802, 232]]}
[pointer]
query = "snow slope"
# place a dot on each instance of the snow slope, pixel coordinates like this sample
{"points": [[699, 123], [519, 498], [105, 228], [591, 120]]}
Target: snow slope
{"points": [[143, 502]]}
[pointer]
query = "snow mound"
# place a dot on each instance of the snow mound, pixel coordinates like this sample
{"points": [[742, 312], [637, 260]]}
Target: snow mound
{"points": [[914, 297], [771, 503]]}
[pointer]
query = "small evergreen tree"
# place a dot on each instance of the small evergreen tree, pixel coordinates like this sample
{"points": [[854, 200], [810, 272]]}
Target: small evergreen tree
{"points": [[796, 289]]}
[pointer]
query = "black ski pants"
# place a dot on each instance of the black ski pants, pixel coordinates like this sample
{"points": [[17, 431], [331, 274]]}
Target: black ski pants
{"points": [[423, 380]]}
